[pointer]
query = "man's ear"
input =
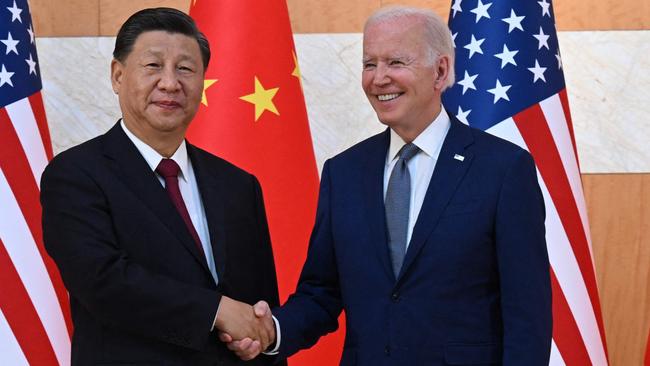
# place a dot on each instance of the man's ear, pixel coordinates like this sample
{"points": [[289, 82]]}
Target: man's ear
{"points": [[117, 71], [442, 72]]}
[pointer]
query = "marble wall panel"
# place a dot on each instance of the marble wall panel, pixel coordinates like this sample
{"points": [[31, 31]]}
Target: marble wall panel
{"points": [[79, 101], [607, 79]]}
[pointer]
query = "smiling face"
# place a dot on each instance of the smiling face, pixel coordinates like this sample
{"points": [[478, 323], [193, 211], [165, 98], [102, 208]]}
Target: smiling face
{"points": [[399, 79], [159, 86]]}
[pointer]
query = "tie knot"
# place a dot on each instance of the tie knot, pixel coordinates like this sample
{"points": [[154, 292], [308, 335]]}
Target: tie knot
{"points": [[408, 151], [168, 168]]}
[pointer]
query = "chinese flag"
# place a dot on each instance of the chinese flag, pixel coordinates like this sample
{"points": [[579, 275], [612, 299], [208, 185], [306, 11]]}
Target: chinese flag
{"points": [[253, 114]]}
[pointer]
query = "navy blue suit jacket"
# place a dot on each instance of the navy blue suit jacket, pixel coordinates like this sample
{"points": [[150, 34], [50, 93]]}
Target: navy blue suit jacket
{"points": [[475, 286], [140, 291]]}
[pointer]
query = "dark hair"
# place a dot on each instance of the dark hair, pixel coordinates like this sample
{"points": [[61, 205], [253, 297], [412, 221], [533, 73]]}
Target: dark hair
{"points": [[158, 19]]}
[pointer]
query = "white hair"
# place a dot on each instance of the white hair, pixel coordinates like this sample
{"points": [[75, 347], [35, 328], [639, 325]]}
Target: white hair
{"points": [[436, 33]]}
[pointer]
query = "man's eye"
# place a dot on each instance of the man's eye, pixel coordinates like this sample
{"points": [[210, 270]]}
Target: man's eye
{"points": [[396, 63], [152, 65], [368, 65]]}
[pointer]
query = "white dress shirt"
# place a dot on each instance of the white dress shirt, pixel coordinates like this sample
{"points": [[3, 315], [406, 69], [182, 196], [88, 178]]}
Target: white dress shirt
{"points": [[188, 187], [421, 165]]}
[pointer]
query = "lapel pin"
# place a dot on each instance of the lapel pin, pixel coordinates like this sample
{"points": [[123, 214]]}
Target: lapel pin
{"points": [[459, 157]]}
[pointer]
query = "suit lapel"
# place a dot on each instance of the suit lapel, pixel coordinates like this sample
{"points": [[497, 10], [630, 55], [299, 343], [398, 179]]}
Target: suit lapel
{"points": [[448, 174], [211, 188], [132, 169], [374, 199]]}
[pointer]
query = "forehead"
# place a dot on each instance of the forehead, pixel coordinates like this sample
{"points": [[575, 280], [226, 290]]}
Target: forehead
{"points": [[156, 42], [393, 37]]}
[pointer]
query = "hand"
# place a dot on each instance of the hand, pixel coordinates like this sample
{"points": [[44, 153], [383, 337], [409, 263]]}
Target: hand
{"points": [[240, 321], [247, 348]]}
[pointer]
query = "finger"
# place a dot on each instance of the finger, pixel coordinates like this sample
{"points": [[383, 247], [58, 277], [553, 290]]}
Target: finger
{"points": [[251, 352], [243, 344], [240, 345], [225, 337]]}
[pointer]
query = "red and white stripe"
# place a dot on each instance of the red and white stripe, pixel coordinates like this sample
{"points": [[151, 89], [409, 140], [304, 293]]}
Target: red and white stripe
{"points": [[545, 130], [35, 322]]}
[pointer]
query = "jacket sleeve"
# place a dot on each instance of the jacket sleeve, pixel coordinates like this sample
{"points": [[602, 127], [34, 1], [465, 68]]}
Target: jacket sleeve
{"points": [[523, 266], [313, 310], [79, 235]]}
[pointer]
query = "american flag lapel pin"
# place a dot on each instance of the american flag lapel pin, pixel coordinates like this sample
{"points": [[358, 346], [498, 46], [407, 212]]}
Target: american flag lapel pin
{"points": [[459, 157]]}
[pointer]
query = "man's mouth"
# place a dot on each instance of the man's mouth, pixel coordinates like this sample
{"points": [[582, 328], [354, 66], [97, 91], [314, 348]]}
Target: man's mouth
{"points": [[167, 104], [387, 97]]}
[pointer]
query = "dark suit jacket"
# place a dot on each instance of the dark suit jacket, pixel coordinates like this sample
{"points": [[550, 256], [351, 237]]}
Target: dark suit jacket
{"points": [[474, 288], [140, 292]]}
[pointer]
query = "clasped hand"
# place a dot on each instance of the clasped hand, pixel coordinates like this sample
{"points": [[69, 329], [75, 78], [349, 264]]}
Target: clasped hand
{"points": [[246, 330]]}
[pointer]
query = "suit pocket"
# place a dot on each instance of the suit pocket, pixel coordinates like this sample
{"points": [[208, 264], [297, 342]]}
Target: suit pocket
{"points": [[473, 354], [461, 208]]}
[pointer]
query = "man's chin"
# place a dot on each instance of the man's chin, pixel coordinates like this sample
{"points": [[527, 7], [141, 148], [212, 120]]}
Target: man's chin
{"points": [[165, 125], [385, 120]]}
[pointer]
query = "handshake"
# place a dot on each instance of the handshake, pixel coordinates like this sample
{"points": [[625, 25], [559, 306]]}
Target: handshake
{"points": [[246, 330]]}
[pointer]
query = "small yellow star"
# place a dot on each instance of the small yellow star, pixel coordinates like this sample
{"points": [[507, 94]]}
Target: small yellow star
{"points": [[206, 84], [262, 98], [296, 70]]}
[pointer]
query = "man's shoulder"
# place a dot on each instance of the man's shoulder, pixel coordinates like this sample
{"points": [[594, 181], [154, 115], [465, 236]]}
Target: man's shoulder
{"points": [[216, 163], [87, 151], [361, 150], [497, 154], [486, 143]]}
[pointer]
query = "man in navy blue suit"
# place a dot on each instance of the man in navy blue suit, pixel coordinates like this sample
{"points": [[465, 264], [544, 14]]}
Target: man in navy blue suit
{"points": [[430, 235]]}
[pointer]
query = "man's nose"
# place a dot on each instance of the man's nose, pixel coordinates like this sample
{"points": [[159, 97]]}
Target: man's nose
{"points": [[381, 76], [169, 80]]}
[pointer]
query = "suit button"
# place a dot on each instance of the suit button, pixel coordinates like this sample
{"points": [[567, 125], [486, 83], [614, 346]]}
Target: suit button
{"points": [[387, 350], [395, 297]]}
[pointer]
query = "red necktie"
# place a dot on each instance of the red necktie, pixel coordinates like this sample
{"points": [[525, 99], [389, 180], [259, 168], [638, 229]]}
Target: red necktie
{"points": [[168, 169]]}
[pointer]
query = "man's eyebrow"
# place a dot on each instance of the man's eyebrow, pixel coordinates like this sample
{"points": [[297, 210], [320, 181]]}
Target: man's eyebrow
{"points": [[181, 57]]}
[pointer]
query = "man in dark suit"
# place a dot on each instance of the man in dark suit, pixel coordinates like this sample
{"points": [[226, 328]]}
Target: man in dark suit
{"points": [[429, 235], [157, 240]]}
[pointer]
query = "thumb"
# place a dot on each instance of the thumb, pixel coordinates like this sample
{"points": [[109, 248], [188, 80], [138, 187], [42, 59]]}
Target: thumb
{"points": [[262, 309]]}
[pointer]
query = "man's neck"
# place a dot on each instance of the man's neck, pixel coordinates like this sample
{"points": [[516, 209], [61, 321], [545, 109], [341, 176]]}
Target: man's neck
{"points": [[408, 133], [165, 144]]}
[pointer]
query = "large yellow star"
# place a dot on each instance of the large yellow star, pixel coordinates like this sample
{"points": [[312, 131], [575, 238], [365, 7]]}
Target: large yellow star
{"points": [[206, 84], [262, 98]]}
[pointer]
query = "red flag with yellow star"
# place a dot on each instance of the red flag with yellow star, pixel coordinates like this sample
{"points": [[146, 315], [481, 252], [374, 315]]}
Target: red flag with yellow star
{"points": [[253, 114]]}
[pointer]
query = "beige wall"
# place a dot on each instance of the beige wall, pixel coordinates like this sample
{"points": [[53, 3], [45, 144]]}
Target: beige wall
{"points": [[618, 204], [103, 17]]}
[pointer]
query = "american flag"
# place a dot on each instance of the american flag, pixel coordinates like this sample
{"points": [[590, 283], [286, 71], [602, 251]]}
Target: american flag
{"points": [[34, 317], [510, 83]]}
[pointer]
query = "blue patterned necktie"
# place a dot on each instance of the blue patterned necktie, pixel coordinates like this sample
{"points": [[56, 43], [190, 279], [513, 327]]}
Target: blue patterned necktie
{"points": [[397, 204]]}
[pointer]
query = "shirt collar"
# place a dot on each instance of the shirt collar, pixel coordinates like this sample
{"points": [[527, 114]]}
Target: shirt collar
{"points": [[429, 141], [153, 158]]}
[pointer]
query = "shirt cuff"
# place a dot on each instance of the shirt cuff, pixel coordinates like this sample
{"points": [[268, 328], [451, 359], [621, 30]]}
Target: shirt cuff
{"points": [[214, 321], [278, 337]]}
